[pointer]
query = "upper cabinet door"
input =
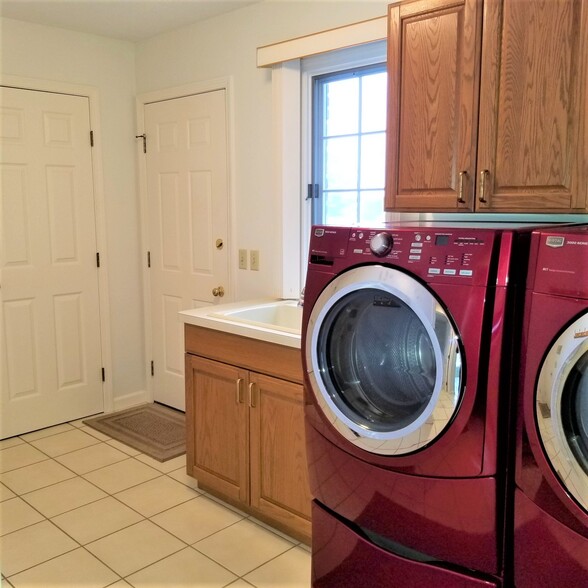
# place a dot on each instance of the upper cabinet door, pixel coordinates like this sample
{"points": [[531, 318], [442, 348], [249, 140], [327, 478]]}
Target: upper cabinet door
{"points": [[433, 65], [533, 124]]}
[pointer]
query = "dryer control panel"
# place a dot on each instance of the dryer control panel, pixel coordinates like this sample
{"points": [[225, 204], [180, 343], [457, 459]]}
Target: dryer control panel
{"points": [[434, 253], [559, 262]]}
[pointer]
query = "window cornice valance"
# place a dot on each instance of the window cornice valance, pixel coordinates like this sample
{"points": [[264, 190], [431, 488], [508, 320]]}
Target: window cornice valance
{"points": [[358, 33]]}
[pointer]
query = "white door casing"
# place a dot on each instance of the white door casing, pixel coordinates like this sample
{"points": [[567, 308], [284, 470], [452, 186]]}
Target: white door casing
{"points": [[187, 217], [50, 321]]}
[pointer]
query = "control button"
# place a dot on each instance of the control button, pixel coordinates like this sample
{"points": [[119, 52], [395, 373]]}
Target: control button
{"points": [[434, 271], [360, 235], [417, 237], [449, 272], [466, 272], [414, 257], [416, 244], [381, 244], [417, 251]]}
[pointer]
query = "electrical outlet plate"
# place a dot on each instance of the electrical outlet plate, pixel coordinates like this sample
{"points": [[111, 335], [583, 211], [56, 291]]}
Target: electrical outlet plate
{"points": [[254, 259], [243, 259]]}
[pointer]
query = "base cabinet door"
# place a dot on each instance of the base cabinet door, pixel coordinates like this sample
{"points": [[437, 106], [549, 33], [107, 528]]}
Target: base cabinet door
{"points": [[218, 427], [279, 473]]}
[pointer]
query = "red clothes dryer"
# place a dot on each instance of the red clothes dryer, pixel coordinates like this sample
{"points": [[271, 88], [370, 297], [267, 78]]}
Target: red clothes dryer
{"points": [[551, 494], [407, 349]]}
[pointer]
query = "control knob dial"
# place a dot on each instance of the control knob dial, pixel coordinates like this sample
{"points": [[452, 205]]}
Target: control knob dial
{"points": [[381, 244]]}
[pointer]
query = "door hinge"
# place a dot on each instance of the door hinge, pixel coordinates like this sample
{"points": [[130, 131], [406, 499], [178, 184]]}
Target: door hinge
{"points": [[152, 369], [103, 375], [144, 137], [91, 138], [312, 191], [97, 259], [148, 258]]}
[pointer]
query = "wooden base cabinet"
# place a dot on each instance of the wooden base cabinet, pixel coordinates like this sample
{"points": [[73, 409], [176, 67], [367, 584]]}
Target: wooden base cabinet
{"points": [[245, 426], [487, 106]]}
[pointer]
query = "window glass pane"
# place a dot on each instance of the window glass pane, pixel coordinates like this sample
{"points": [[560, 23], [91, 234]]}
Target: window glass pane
{"points": [[371, 207], [341, 107], [340, 163], [349, 144], [340, 208], [373, 161], [373, 102]]}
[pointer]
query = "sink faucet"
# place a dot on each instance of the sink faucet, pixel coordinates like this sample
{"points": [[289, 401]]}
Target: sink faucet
{"points": [[301, 298]]}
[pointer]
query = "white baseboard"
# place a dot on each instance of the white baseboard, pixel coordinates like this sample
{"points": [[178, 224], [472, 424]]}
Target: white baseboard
{"points": [[130, 400]]}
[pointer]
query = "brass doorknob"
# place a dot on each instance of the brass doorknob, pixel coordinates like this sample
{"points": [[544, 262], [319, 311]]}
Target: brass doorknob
{"points": [[218, 291]]}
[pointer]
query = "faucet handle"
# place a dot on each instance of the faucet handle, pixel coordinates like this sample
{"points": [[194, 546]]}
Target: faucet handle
{"points": [[301, 298]]}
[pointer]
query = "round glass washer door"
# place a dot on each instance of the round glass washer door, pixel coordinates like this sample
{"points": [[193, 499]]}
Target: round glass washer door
{"points": [[384, 360], [561, 408]]}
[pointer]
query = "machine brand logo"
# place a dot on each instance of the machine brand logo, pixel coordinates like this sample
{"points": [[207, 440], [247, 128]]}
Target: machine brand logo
{"points": [[555, 241], [319, 232]]}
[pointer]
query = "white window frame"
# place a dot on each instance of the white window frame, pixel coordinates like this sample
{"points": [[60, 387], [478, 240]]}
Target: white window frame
{"points": [[326, 63], [292, 87]]}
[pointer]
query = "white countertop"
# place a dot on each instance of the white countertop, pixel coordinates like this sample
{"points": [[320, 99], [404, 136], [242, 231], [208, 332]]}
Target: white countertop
{"points": [[221, 317]]}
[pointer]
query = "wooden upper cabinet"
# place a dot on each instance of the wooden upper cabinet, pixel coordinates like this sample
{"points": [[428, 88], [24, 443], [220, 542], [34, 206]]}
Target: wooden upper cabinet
{"points": [[433, 49], [487, 106], [532, 138]]}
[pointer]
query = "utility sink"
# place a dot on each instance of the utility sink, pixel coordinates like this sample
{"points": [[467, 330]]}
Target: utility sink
{"points": [[275, 321], [282, 315]]}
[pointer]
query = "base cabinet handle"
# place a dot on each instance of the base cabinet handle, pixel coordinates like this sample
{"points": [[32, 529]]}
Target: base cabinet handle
{"points": [[238, 397]]}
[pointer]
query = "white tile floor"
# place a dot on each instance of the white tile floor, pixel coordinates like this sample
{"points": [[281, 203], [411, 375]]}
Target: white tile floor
{"points": [[80, 509]]}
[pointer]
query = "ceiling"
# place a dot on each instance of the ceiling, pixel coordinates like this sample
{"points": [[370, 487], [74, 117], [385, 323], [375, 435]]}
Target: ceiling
{"points": [[130, 20]]}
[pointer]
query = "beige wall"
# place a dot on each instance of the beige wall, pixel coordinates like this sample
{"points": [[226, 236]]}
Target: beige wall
{"points": [[48, 53]]}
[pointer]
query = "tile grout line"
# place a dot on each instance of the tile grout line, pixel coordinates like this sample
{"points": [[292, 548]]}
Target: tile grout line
{"points": [[168, 474]]}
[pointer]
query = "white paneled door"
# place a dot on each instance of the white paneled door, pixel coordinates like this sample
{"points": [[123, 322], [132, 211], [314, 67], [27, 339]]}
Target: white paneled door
{"points": [[50, 342], [187, 202]]}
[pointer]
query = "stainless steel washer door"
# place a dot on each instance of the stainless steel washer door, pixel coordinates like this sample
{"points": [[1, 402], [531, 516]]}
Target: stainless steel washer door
{"points": [[561, 408], [385, 361]]}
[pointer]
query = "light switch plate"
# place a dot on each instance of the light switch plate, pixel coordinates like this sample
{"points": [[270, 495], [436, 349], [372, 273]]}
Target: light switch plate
{"points": [[254, 259], [242, 258]]}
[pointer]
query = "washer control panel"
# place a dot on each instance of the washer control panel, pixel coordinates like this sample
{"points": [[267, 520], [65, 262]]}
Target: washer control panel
{"points": [[434, 253]]}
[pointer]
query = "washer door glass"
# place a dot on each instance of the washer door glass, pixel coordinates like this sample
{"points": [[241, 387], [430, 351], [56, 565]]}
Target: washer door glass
{"points": [[562, 408], [386, 360]]}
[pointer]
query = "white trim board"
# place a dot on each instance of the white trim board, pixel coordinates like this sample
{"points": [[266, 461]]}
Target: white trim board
{"points": [[367, 31]]}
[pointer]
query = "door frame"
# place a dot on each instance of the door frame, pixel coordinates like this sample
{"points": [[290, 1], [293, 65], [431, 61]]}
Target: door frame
{"points": [[142, 100], [93, 96]]}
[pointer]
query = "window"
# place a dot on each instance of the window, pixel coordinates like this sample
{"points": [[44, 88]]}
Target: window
{"points": [[348, 146]]}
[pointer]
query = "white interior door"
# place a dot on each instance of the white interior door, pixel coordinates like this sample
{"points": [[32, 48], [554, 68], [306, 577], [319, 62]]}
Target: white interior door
{"points": [[187, 194], [50, 315]]}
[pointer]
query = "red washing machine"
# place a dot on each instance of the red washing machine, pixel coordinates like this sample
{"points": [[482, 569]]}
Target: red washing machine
{"points": [[407, 336], [551, 494]]}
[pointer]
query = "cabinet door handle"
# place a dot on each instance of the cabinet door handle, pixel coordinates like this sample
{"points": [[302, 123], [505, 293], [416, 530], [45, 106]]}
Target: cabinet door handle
{"points": [[238, 390], [483, 175], [252, 402], [462, 176]]}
